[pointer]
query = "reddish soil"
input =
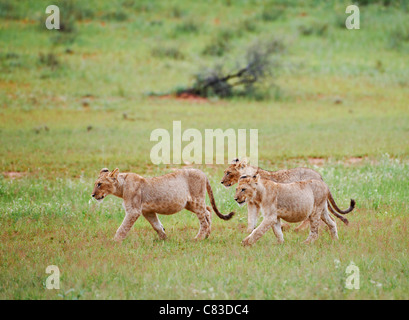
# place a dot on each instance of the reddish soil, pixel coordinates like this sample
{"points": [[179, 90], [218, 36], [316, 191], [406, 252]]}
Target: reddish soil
{"points": [[185, 97], [13, 174], [348, 161]]}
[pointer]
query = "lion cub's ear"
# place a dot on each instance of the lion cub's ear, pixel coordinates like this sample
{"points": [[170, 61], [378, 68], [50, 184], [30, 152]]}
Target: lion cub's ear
{"points": [[256, 178], [103, 170], [234, 161], [114, 173], [242, 164]]}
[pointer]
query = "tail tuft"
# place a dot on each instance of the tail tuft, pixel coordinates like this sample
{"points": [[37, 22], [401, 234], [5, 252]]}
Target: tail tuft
{"points": [[334, 205], [228, 216]]}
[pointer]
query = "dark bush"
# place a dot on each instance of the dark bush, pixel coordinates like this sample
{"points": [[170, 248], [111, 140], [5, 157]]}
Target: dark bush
{"points": [[260, 65]]}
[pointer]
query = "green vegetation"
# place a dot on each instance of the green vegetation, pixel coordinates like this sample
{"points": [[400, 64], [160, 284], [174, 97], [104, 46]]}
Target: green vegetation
{"points": [[77, 100]]}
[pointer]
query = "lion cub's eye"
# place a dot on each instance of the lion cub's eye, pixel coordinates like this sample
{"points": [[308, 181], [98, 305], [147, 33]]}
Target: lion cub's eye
{"points": [[242, 190], [98, 185], [227, 173]]}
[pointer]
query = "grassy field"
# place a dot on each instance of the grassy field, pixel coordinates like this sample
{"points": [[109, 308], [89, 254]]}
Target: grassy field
{"points": [[76, 101]]}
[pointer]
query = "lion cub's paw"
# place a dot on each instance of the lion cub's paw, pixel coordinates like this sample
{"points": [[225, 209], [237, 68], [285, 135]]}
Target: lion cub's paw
{"points": [[118, 239], [246, 242]]}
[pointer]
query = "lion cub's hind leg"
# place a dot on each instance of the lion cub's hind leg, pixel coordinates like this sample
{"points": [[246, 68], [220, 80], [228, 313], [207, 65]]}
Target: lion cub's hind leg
{"points": [[278, 231], [156, 225], [203, 215], [330, 223], [314, 226], [209, 216]]}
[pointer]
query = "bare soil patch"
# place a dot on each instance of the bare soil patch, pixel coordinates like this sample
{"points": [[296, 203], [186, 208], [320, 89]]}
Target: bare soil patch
{"points": [[14, 174]]}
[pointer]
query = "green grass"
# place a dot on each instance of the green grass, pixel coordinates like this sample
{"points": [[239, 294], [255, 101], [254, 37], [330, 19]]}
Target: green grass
{"points": [[52, 221], [339, 95]]}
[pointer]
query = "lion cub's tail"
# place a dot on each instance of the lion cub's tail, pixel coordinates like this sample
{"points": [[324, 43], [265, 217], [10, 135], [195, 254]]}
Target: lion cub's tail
{"points": [[344, 220], [334, 205], [211, 197]]}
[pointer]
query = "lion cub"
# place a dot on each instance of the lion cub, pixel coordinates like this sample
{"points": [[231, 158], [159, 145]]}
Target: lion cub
{"points": [[239, 167], [167, 194], [292, 202]]}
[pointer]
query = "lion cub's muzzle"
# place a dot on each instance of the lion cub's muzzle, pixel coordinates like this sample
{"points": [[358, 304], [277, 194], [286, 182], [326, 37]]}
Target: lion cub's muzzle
{"points": [[96, 197], [240, 202], [225, 184]]}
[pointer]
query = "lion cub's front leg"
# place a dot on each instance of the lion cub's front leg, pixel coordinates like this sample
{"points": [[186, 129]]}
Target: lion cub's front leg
{"points": [[266, 224], [131, 216]]}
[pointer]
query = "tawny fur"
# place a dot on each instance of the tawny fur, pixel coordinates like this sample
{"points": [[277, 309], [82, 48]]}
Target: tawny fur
{"points": [[237, 168], [292, 202], [167, 194]]}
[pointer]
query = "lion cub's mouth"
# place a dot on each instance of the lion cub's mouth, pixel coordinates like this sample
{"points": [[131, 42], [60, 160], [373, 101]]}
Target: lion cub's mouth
{"points": [[241, 203], [100, 199]]}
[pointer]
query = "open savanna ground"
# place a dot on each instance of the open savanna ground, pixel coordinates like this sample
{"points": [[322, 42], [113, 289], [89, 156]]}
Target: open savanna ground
{"points": [[51, 221], [75, 101]]}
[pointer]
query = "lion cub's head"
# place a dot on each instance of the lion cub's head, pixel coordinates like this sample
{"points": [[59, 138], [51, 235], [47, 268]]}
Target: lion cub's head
{"points": [[105, 184], [246, 190], [233, 172]]}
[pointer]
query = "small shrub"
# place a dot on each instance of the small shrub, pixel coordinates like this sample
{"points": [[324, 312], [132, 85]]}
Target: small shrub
{"points": [[385, 3], [271, 13], [9, 61], [176, 12], [216, 47], [219, 44], [187, 27], [314, 27], [71, 11], [138, 6], [167, 52], [258, 69], [62, 38], [399, 35], [67, 18], [8, 11], [48, 60], [115, 15], [248, 25], [339, 20], [75, 10], [67, 25]]}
